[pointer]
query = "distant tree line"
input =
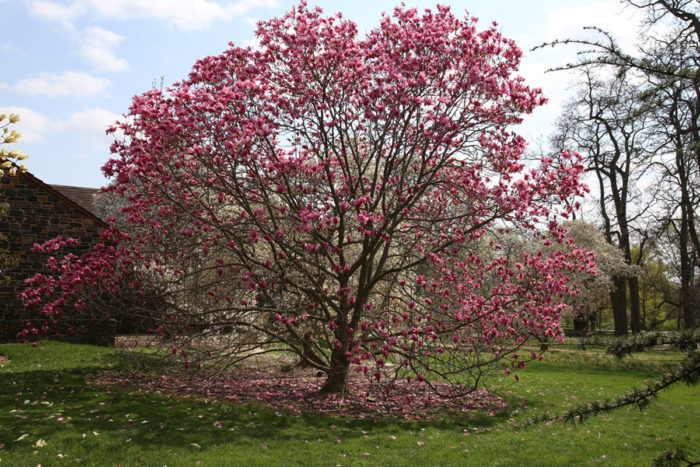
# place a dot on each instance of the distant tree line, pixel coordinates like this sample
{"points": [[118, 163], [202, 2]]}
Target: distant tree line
{"points": [[636, 119]]}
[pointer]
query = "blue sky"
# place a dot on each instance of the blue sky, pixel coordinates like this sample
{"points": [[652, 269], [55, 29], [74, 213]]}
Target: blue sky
{"points": [[70, 68]]}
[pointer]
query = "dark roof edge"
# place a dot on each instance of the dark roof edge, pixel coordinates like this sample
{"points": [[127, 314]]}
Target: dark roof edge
{"points": [[65, 199]]}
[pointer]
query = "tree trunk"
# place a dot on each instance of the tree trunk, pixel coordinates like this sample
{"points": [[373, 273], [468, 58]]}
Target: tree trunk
{"points": [[686, 273], [308, 356], [619, 305], [635, 313], [686, 257], [337, 373], [580, 325], [689, 321], [691, 317], [632, 282]]}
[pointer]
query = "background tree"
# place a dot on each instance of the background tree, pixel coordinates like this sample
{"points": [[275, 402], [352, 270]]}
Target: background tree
{"points": [[8, 166], [327, 192], [658, 293], [606, 122], [676, 114], [665, 71], [10, 136], [587, 306]]}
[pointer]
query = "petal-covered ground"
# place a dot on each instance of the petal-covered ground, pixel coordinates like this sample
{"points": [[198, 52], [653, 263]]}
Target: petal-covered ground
{"points": [[298, 391]]}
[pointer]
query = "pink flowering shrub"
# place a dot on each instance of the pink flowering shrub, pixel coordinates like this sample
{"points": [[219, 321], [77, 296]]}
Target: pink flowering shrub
{"points": [[346, 198], [101, 290]]}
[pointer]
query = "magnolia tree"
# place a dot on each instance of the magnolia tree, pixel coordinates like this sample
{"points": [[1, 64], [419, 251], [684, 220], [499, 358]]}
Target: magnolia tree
{"points": [[343, 198]]}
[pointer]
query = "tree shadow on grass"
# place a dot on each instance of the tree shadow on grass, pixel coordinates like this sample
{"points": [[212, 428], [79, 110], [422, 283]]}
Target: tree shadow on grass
{"points": [[60, 407]]}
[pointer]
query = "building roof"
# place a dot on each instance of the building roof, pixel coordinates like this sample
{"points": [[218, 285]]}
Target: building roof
{"points": [[81, 195], [85, 196], [81, 198]]}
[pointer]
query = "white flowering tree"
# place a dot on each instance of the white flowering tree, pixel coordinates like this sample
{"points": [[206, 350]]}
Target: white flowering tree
{"points": [[8, 165]]}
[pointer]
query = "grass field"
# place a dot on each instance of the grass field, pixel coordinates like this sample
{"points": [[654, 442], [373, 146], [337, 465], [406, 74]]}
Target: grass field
{"points": [[50, 416]]}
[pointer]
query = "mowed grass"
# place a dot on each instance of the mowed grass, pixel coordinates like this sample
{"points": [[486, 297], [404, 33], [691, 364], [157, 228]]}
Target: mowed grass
{"points": [[50, 416]]}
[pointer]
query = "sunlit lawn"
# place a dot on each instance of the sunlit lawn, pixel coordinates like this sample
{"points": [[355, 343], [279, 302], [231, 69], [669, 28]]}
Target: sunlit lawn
{"points": [[49, 416]]}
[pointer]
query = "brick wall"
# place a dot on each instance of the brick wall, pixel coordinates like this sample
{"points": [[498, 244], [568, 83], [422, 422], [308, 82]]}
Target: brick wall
{"points": [[37, 213]]}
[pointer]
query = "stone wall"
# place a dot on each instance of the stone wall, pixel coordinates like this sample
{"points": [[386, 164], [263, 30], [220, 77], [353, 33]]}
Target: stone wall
{"points": [[37, 213]]}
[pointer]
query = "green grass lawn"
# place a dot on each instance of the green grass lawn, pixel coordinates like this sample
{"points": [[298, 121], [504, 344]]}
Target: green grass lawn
{"points": [[49, 416]]}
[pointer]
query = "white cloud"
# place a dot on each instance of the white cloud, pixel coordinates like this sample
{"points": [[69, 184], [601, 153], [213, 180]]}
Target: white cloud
{"points": [[567, 22], [87, 125], [252, 22], [90, 125], [244, 6], [183, 14], [68, 83], [32, 125], [536, 76], [554, 84], [97, 45], [253, 43], [56, 12]]}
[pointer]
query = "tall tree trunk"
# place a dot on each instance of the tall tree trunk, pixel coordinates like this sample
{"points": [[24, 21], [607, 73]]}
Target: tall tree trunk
{"points": [[619, 305], [580, 325], [687, 307], [626, 247], [337, 373], [635, 307], [694, 297]]}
